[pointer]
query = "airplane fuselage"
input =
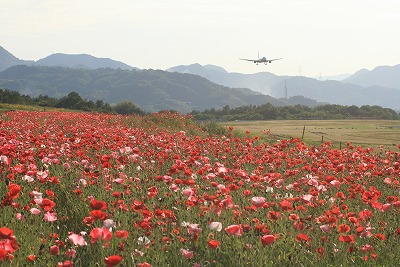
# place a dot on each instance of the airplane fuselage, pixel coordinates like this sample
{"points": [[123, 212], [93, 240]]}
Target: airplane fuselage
{"points": [[262, 60]]}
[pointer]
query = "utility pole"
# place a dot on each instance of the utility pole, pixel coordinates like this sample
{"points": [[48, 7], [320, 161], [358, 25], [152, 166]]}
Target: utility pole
{"points": [[286, 94]]}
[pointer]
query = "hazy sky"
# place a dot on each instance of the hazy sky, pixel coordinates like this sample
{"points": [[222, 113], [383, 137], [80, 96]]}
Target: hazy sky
{"points": [[314, 37]]}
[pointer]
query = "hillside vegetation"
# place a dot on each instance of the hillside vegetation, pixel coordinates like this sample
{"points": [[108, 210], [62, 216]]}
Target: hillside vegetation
{"points": [[297, 112], [72, 101], [151, 90]]}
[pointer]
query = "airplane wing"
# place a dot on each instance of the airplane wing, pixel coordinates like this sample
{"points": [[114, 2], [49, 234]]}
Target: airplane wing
{"points": [[273, 59], [248, 59]]}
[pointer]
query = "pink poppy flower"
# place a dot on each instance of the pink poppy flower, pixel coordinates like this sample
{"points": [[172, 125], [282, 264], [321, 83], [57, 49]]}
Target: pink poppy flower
{"points": [[258, 201], [50, 216], [335, 183], [4, 159], [193, 229], [77, 240], [325, 228], [187, 191], [186, 253], [71, 253], [308, 198], [215, 226], [34, 211], [174, 187]]}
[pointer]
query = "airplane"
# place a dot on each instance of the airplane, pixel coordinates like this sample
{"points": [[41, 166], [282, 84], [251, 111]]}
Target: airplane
{"points": [[261, 60]]}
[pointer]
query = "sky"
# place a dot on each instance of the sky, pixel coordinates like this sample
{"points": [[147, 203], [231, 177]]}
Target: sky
{"points": [[314, 37]]}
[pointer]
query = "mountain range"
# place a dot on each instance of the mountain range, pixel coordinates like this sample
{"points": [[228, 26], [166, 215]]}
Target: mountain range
{"points": [[82, 61], [191, 87], [380, 86]]}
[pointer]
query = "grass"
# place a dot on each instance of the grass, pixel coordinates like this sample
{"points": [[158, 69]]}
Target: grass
{"points": [[7, 107], [365, 133]]}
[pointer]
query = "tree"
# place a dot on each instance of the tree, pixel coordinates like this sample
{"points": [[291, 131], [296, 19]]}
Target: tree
{"points": [[127, 107], [73, 100]]}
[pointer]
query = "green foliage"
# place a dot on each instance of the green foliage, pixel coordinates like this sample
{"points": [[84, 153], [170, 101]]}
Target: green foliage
{"points": [[72, 101], [297, 112], [214, 128], [126, 108]]}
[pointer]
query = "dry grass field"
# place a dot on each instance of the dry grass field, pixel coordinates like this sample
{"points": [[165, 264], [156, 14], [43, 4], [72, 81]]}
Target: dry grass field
{"points": [[7, 107], [366, 133]]}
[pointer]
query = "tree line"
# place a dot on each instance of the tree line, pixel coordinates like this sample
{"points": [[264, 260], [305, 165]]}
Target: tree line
{"points": [[296, 112], [72, 101], [252, 112]]}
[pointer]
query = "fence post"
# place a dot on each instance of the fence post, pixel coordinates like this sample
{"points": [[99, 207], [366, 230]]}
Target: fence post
{"points": [[304, 129], [322, 139]]}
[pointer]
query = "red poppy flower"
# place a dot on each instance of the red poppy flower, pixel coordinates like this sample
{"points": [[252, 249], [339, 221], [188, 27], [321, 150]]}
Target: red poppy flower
{"points": [[66, 263], [31, 257], [152, 191], [100, 234], [380, 236], [3, 254], [347, 238], [286, 205], [47, 204], [234, 230], [274, 215], [112, 260], [303, 237], [6, 233], [213, 243], [344, 228], [121, 234], [54, 250], [13, 191], [267, 239], [98, 205], [98, 214]]}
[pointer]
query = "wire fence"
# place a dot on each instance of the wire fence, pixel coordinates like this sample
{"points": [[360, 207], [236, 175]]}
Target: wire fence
{"points": [[323, 137]]}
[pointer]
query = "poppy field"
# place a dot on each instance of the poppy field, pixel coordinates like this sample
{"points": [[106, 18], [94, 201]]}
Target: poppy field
{"points": [[82, 189]]}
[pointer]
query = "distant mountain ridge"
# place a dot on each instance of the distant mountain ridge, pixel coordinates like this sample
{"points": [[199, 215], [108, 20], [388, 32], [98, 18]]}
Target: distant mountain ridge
{"points": [[81, 61], [362, 88], [336, 92], [84, 61], [7, 60], [260, 82], [385, 76]]}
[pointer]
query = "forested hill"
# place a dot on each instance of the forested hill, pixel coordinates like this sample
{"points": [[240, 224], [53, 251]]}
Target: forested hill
{"points": [[297, 112], [151, 90]]}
